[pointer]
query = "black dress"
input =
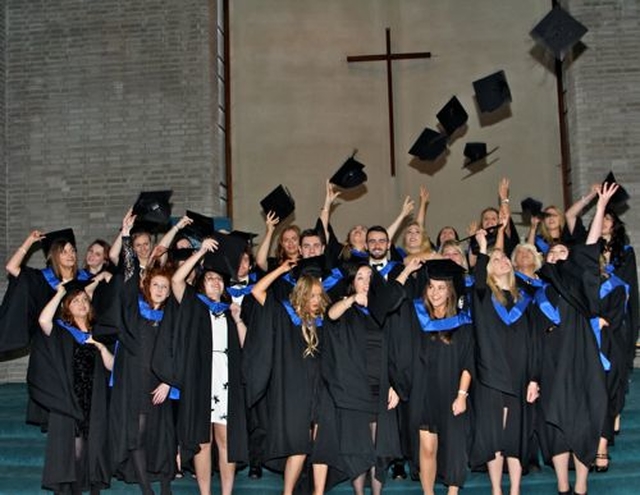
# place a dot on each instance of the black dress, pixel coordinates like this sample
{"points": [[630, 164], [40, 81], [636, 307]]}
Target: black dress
{"points": [[506, 361], [69, 380]]}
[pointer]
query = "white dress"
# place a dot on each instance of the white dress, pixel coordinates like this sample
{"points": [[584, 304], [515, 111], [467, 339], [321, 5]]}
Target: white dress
{"points": [[219, 369]]}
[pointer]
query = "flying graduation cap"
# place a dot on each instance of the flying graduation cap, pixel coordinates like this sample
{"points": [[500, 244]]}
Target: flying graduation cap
{"points": [[351, 174], [452, 116], [558, 32], [429, 146], [200, 227], [492, 91], [533, 208], [153, 207], [279, 201]]}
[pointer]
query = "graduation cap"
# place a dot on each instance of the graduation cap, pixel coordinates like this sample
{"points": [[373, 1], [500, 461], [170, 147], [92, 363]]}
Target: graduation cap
{"points": [[247, 237], [350, 174], [279, 201], [429, 146], [383, 297], [153, 207], [180, 254], [492, 91], [452, 116], [558, 31], [314, 266], [446, 269], [201, 226], [226, 259], [474, 152], [63, 235], [621, 195], [74, 286], [532, 207]]}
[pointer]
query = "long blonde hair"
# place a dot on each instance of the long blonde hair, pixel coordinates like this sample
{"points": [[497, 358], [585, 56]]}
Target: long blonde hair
{"points": [[544, 232], [493, 283], [299, 299]]}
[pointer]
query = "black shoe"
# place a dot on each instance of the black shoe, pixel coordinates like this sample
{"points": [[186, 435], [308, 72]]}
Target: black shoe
{"points": [[398, 472], [568, 492], [415, 475], [603, 468], [255, 472]]}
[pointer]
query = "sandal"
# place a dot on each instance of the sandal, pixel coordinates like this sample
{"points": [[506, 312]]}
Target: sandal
{"points": [[602, 468]]}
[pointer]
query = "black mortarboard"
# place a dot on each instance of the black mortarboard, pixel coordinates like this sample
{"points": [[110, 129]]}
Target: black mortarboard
{"points": [[226, 259], [446, 269], [57, 235], [452, 116], [429, 146], [558, 31], [474, 152], [201, 226], [153, 206], [383, 297], [280, 202], [314, 266], [621, 195], [76, 285], [180, 254], [492, 91], [247, 237], [532, 207], [350, 174]]}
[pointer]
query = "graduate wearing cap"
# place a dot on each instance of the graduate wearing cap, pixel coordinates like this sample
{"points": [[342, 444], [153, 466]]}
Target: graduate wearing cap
{"points": [[355, 366], [284, 367], [142, 438], [573, 378], [70, 379], [433, 354], [211, 334]]}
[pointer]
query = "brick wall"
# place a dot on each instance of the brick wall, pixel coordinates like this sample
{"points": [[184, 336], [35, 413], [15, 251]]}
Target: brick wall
{"points": [[104, 99], [603, 99]]}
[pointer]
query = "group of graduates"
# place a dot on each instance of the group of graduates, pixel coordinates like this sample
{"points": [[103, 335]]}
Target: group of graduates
{"points": [[331, 360]]}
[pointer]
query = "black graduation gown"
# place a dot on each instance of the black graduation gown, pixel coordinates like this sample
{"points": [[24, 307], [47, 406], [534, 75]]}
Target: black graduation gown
{"points": [[133, 381], [193, 364], [344, 369], [51, 383], [436, 370], [506, 361], [613, 304], [290, 383], [625, 267], [573, 391]]}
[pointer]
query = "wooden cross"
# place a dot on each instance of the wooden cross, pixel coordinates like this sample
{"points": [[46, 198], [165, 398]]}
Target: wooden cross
{"points": [[388, 57]]}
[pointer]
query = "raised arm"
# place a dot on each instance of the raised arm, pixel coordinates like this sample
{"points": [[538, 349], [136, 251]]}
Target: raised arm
{"points": [[572, 214], [407, 208], [236, 313], [168, 238], [262, 254], [179, 279], [505, 209], [325, 213], [411, 266], [533, 229], [49, 312], [14, 264], [116, 246], [421, 217], [259, 290], [605, 192]]}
